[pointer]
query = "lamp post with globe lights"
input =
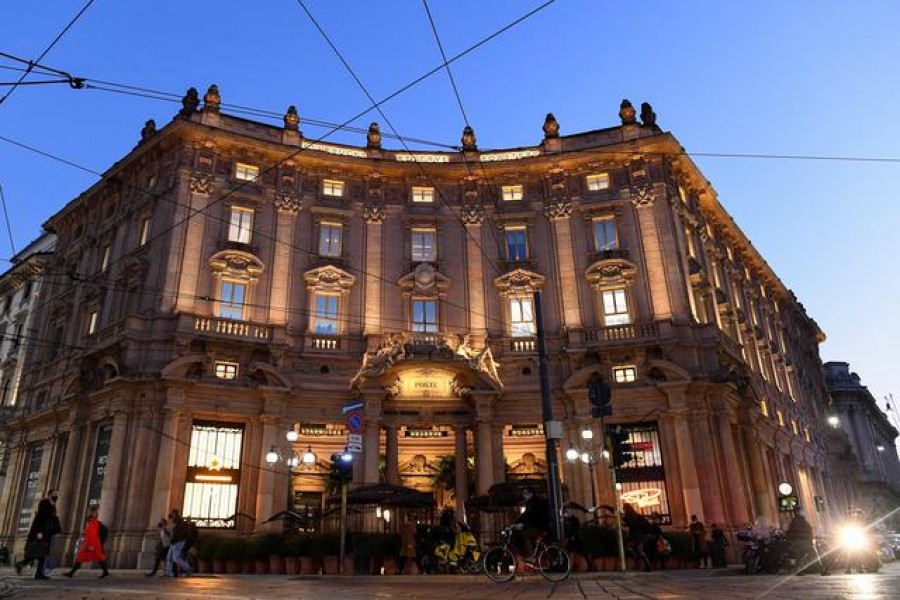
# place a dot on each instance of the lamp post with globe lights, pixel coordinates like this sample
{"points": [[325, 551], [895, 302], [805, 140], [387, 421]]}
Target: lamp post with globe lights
{"points": [[292, 459]]}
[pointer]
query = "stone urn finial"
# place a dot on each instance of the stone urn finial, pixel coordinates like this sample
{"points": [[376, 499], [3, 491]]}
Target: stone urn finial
{"points": [[212, 100], [551, 127], [190, 102], [292, 119], [626, 113], [468, 140], [148, 130], [373, 138], [648, 117]]}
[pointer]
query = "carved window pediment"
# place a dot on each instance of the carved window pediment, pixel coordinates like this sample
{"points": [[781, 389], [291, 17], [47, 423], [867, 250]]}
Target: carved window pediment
{"points": [[425, 280], [613, 271], [329, 278], [236, 264], [519, 281]]}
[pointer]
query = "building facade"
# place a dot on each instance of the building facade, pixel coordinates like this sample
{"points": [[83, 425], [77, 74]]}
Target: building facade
{"points": [[873, 440], [235, 281]]}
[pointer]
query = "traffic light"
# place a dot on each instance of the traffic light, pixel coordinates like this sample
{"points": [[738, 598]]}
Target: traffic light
{"points": [[342, 467], [600, 395], [620, 447]]}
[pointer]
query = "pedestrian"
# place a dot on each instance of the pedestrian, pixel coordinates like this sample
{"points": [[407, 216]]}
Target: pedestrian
{"points": [[162, 546], [657, 547], [533, 523], [180, 534], [408, 543], [91, 550], [699, 545], [639, 531], [717, 547], [44, 526]]}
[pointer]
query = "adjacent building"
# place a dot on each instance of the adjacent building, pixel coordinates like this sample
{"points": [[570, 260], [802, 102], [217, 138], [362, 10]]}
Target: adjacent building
{"points": [[235, 288]]}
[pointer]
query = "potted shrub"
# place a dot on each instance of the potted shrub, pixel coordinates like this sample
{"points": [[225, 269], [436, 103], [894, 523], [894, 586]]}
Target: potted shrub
{"points": [[307, 562], [207, 549], [681, 557], [290, 553], [327, 546], [232, 550], [600, 547]]}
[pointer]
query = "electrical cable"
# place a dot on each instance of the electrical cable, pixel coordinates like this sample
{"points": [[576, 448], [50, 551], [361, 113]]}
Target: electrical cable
{"points": [[12, 243]]}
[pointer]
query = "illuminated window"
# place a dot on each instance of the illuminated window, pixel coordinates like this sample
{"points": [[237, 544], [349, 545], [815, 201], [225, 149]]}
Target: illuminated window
{"points": [[516, 242], [213, 475], [597, 181], [330, 239], [625, 374], [780, 416], [605, 235], [93, 317], [512, 192], [325, 319], [615, 307], [245, 172], [764, 408], [104, 257], [424, 316], [145, 231], [231, 300], [521, 316], [642, 474], [226, 370], [241, 225], [794, 427], [332, 187], [423, 194], [422, 243], [806, 434]]}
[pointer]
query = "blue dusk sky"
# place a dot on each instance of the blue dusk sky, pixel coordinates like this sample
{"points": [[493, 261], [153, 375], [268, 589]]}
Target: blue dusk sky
{"points": [[816, 78]]}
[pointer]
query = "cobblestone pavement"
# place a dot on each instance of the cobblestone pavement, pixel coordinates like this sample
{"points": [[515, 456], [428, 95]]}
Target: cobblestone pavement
{"points": [[669, 585]]}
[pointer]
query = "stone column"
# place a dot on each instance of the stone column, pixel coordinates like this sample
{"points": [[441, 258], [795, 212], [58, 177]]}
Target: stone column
{"points": [[462, 483], [186, 265], [109, 493], [74, 455], [761, 488], [475, 277], [374, 216], [499, 453], [266, 502], [484, 455], [734, 483], [392, 455], [684, 443], [371, 440], [559, 213], [653, 254], [162, 485], [705, 462], [287, 208]]}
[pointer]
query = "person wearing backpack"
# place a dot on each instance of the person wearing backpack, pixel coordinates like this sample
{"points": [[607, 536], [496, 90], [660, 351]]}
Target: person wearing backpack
{"points": [[91, 550], [180, 533]]}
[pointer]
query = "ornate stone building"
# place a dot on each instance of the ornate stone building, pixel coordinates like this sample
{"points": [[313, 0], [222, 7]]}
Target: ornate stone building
{"points": [[234, 281]]}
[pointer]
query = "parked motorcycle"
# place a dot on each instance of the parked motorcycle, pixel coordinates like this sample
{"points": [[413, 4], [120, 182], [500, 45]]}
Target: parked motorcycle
{"points": [[774, 553]]}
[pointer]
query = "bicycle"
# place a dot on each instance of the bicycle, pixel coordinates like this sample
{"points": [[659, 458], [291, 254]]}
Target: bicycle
{"points": [[550, 560]]}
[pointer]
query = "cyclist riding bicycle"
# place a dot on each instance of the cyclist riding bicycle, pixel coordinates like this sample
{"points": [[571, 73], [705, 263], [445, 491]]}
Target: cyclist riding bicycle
{"points": [[533, 522]]}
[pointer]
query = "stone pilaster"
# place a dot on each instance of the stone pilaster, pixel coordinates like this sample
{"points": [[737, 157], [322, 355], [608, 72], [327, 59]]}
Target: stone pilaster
{"points": [[374, 217], [462, 482], [282, 261], [111, 505], [188, 262], [559, 213], [392, 455], [643, 201], [473, 219]]}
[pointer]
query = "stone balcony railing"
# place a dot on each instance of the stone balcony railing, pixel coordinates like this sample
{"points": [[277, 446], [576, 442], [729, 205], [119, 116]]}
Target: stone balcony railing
{"points": [[230, 328], [620, 334]]}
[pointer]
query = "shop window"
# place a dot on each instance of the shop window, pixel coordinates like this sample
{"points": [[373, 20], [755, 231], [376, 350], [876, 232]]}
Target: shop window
{"points": [[213, 475], [643, 476]]}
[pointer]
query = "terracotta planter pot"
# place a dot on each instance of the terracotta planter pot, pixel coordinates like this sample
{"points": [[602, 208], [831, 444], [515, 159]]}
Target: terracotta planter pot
{"points": [[330, 565], [204, 565], [276, 564], [291, 565], [390, 565], [597, 563], [261, 566], [410, 568], [218, 565], [348, 564], [308, 566], [579, 563]]}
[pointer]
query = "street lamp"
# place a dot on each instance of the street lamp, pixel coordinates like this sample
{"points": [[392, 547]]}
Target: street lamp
{"points": [[291, 460], [834, 421]]}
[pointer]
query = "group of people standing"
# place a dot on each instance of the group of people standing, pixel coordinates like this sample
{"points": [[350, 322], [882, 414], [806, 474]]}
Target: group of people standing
{"points": [[648, 546], [176, 537], [709, 553]]}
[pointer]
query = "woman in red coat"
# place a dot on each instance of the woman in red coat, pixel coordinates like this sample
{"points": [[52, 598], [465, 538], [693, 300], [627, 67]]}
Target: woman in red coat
{"points": [[91, 549]]}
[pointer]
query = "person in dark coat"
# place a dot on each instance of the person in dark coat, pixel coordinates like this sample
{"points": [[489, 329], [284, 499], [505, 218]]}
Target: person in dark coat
{"points": [[44, 526], [534, 521], [699, 545], [717, 547], [639, 533]]}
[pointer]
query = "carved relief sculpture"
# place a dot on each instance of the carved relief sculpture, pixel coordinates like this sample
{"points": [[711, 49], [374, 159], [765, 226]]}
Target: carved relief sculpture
{"points": [[212, 100], [373, 138], [648, 117], [468, 140], [626, 113], [292, 119]]}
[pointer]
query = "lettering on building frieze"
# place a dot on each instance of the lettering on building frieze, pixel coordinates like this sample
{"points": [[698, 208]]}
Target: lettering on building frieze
{"points": [[559, 208], [514, 155], [422, 158], [202, 184], [288, 203]]}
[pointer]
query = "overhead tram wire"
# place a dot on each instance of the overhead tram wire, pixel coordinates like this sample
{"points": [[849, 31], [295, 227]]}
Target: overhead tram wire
{"points": [[48, 49], [12, 243]]}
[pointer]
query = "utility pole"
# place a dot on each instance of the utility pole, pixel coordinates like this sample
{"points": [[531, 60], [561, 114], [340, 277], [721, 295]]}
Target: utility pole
{"points": [[552, 429]]}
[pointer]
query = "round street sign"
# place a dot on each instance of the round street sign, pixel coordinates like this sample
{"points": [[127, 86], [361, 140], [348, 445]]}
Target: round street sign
{"points": [[355, 422]]}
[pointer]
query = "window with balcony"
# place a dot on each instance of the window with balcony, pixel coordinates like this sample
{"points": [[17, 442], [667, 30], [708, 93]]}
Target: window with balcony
{"points": [[240, 225], [325, 319], [245, 172], [421, 194], [213, 474], [333, 188], [512, 192], [424, 316], [232, 296], [605, 235], [521, 316], [330, 239], [597, 181], [615, 307], [516, 239], [625, 374], [422, 244], [226, 370]]}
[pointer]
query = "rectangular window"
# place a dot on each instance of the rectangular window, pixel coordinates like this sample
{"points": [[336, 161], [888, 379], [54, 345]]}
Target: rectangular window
{"points": [[104, 257], [422, 194], [245, 172], [326, 317], [780, 416], [226, 370], [516, 242], [240, 225], [98, 467], [144, 236], [424, 316], [642, 474], [512, 192], [597, 181], [521, 317], [93, 317], [422, 245], [615, 307], [213, 475], [30, 489], [231, 300], [332, 187], [625, 374], [330, 239], [605, 235]]}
